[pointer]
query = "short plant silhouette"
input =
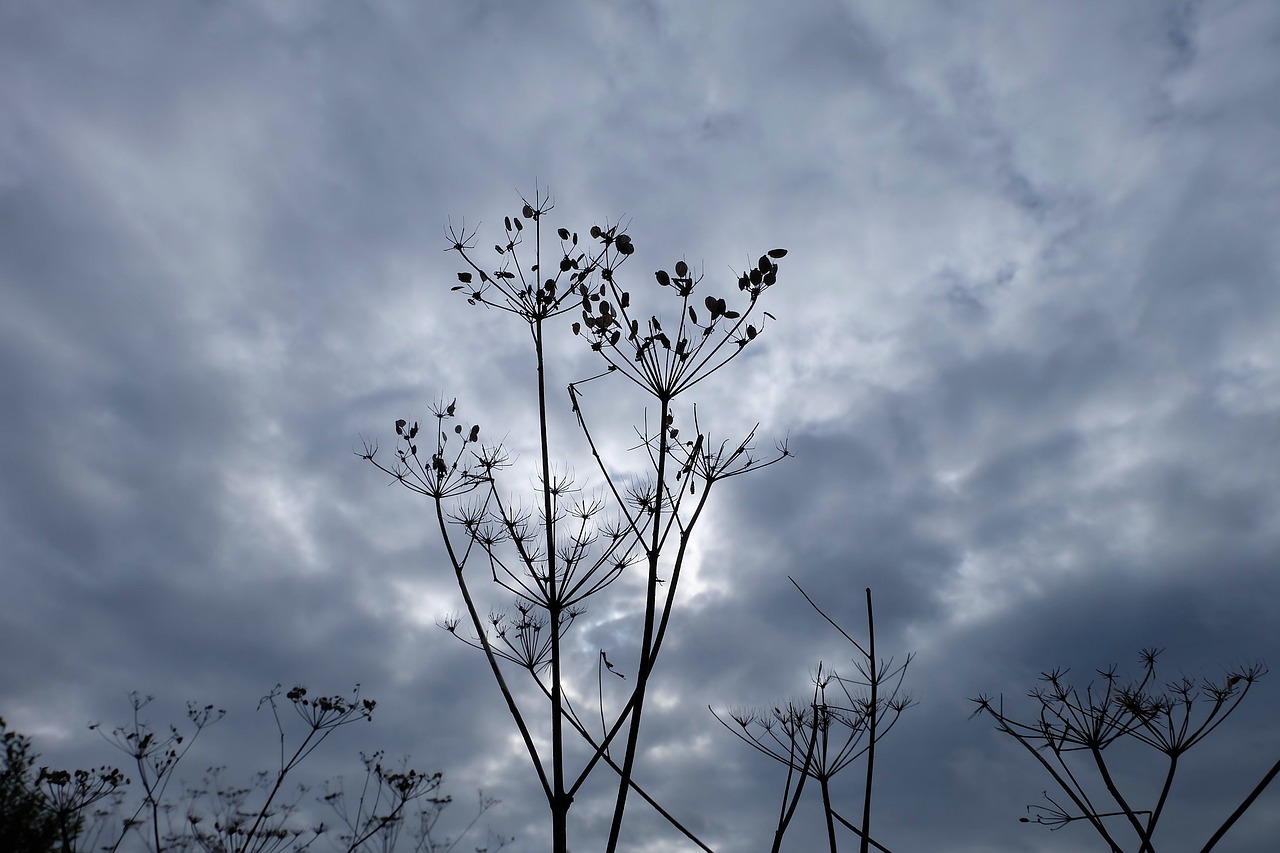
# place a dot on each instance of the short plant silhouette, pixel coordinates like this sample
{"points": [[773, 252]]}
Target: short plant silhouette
{"points": [[233, 823], [562, 548], [219, 815], [154, 758], [841, 722], [1073, 731], [378, 814]]}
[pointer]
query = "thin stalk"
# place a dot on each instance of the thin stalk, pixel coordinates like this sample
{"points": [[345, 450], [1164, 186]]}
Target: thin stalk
{"points": [[849, 826], [1079, 798], [489, 654], [644, 795], [581, 728], [788, 807], [784, 820], [1105, 772], [1242, 808], [559, 802], [871, 724], [298, 755], [825, 784], [1164, 795], [646, 644]]}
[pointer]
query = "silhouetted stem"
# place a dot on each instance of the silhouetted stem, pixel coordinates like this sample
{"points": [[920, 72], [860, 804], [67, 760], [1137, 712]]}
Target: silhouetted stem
{"points": [[1105, 772], [825, 784], [790, 800], [871, 724], [790, 809], [670, 818], [645, 667], [489, 654], [558, 801], [1079, 799], [1164, 795], [1242, 808], [856, 831]]}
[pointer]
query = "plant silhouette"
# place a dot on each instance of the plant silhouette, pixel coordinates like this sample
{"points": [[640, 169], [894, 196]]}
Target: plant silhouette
{"points": [[841, 722], [52, 811], [558, 549], [567, 549], [1074, 729]]}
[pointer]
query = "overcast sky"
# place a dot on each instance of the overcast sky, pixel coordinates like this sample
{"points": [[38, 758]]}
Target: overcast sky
{"points": [[1027, 354]]}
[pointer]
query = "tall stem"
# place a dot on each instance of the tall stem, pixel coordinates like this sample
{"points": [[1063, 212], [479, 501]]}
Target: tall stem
{"points": [[874, 678], [559, 801], [646, 644]]}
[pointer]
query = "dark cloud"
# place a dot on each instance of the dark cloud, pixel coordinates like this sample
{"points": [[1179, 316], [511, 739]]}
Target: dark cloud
{"points": [[1025, 358]]}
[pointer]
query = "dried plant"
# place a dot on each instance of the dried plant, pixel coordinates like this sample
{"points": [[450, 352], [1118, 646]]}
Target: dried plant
{"points": [[257, 818], [376, 817], [391, 800], [68, 793], [155, 758], [219, 815], [841, 722], [428, 838], [1074, 730], [563, 549]]}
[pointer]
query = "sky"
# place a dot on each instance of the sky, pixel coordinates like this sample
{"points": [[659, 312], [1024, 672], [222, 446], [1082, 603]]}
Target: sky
{"points": [[1026, 356]]}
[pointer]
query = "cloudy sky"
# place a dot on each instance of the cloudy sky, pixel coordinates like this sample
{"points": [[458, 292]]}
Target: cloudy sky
{"points": [[1027, 355]]}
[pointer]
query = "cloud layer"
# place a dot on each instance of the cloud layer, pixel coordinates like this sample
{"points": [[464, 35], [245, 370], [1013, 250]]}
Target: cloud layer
{"points": [[1025, 356]]}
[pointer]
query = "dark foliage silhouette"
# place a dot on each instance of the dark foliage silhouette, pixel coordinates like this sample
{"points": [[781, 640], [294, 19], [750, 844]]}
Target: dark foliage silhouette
{"points": [[28, 822]]}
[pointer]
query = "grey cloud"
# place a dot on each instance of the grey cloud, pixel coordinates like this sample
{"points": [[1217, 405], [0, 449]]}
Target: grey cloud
{"points": [[1024, 355]]}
